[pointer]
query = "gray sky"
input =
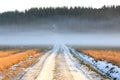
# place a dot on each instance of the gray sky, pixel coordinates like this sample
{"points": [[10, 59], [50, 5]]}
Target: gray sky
{"points": [[10, 5]]}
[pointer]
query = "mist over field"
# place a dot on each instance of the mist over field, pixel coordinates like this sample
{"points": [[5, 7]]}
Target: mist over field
{"points": [[71, 31], [72, 26]]}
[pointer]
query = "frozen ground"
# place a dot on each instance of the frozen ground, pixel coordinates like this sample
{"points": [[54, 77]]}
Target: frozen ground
{"points": [[103, 67], [58, 64]]}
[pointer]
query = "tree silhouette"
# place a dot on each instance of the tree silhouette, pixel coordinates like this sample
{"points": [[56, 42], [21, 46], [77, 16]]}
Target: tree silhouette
{"points": [[14, 17]]}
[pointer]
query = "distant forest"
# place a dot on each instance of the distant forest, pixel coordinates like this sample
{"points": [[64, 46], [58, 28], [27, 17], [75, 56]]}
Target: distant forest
{"points": [[14, 17]]}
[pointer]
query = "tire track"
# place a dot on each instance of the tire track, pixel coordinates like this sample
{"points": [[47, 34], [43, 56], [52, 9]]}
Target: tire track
{"points": [[62, 71], [32, 72], [57, 64], [48, 68]]}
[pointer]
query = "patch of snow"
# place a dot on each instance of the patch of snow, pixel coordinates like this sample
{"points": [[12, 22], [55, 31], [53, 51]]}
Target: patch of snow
{"points": [[103, 67], [72, 63]]}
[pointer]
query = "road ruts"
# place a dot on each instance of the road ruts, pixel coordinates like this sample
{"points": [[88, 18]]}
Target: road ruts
{"points": [[62, 71], [33, 71], [55, 65]]}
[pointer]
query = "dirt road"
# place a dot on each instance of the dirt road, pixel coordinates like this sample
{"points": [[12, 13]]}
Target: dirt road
{"points": [[57, 64]]}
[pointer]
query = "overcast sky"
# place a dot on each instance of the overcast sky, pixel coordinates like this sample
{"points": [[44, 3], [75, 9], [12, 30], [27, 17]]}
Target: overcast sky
{"points": [[10, 5]]}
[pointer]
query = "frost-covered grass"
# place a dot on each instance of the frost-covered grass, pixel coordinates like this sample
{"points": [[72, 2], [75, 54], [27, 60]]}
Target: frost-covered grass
{"points": [[103, 66], [112, 56]]}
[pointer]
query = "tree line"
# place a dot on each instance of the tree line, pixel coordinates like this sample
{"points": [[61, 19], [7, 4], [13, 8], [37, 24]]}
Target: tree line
{"points": [[12, 17]]}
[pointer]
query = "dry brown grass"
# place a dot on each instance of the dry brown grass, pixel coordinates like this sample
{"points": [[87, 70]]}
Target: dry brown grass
{"points": [[112, 56], [12, 59], [6, 62], [7, 53], [21, 67]]}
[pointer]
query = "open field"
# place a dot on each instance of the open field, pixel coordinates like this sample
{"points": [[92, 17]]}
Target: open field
{"points": [[12, 61], [59, 62], [112, 56], [5, 53]]}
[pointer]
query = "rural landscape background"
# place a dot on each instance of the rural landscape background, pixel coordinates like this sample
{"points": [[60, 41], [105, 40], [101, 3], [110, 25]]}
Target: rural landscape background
{"points": [[62, 43]]}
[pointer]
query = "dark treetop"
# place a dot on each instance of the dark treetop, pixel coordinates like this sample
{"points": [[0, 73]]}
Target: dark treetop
{"points": [[16, 17]]}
